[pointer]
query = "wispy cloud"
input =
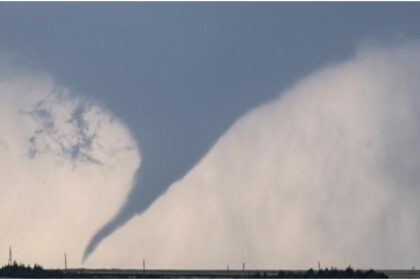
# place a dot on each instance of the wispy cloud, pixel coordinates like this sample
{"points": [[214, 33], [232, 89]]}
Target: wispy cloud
{"points": [[66, 162]]}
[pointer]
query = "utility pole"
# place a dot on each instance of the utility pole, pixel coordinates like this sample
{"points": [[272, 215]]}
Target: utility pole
{"points": [[144, 266], [10, 256], [319, 266], [65, 262], [243, 269]]}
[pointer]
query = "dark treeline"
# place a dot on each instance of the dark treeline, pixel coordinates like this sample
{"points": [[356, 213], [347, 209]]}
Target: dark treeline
{"points": [[331, 273], [22, 271]]}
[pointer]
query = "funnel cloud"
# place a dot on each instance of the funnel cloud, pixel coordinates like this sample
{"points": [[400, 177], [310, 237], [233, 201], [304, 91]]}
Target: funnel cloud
{"points": [[327, 172]]}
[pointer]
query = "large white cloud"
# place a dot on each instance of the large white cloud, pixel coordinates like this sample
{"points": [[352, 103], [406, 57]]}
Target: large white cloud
{"points": [[66, 164], [328, 172]]}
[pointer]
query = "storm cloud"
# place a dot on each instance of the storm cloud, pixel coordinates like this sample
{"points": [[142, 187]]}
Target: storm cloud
{"points": [[326, 172]]}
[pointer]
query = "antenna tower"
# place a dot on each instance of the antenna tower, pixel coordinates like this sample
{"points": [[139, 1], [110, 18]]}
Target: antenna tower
{"points": [[65, 261], [10, 256]]}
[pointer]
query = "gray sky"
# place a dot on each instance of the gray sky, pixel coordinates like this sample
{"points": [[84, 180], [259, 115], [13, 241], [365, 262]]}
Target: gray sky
{"points": [[179, 74]]}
